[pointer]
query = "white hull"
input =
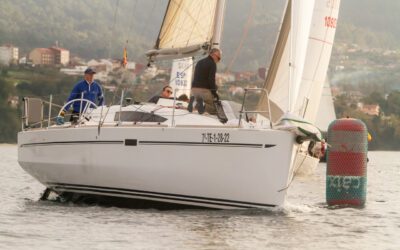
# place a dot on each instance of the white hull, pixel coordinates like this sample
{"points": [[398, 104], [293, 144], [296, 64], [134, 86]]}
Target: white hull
{"points": [[304, 164], [210, 167]]}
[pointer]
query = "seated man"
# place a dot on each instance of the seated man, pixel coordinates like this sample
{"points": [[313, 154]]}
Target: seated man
{"points": [[91, 91], [166, 93]]}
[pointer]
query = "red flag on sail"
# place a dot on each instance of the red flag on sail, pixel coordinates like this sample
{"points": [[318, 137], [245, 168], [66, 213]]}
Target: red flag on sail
{"points": [[125, 58]]}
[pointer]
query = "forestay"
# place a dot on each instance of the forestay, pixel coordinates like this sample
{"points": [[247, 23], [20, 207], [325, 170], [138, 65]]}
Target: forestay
{"points": [[187, 29]]}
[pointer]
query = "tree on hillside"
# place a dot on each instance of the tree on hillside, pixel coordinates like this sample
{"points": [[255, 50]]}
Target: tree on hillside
{"points": [[393, 103]]}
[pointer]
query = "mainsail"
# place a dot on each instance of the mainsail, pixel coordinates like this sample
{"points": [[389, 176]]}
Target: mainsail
{"points": [[285, 72], [188, 29], [319, 50]]}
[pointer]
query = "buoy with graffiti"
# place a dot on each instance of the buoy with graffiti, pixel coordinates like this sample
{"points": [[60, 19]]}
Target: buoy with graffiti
{"points": [[346, 175]]}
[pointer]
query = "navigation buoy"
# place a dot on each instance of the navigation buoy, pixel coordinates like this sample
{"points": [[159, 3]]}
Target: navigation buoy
{"points": [[346, 173]]}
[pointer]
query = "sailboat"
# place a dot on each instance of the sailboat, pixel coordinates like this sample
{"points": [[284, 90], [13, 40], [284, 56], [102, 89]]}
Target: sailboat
{"points": [[161, 152]]}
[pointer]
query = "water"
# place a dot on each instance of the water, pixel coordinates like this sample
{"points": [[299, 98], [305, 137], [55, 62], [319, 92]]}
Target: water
{"points": [[305, 222]]}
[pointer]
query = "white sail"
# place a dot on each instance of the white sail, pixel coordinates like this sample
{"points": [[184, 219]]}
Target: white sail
{"points": [[326, 109], [181, 76], [283, 81], [319, 50], [188, 29]]}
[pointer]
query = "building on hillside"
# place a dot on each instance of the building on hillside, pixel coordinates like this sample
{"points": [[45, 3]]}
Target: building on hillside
{"points": [[262, 72], [131, 65], [103, 63], [76, 60], [355, 95], [8, 54], [236, 91], [109, 87], [41, 56], [22, 60], [75, 70], [245, 76], [149, 73], [49, 56], [369, 109], [101, 75], [13, 101], [222, 77], [139, 67], [61, 56], [335, 92]]}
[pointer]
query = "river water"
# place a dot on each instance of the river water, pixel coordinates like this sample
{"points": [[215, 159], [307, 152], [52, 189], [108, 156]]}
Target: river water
{"points": [[304, 222]]}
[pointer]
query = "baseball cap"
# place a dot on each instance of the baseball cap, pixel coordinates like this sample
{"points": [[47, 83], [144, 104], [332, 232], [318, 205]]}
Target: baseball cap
{"points": [[90, 71]]}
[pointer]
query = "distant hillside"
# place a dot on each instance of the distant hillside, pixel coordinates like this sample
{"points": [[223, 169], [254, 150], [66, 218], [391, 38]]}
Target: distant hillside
{"points": [[85, 27], [371, 23]]}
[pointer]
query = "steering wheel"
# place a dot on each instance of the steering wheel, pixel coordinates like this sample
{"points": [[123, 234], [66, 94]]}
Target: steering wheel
{"points": [[84, 114]]}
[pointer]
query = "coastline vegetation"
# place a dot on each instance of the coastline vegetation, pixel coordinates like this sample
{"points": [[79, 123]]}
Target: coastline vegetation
{"points": [[26, 81]]}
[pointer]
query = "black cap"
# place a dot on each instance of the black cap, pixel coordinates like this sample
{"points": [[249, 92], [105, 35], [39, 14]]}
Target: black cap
{"points": [[90, 71]]}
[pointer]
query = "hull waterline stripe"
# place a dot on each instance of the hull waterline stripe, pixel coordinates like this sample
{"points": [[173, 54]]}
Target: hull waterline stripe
{"points": [[166, 196], [151, 197], [201, 144], [145, 143], [69, 143]]}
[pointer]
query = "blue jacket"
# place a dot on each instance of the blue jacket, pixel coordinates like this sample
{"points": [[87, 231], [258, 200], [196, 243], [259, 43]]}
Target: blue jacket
{"points": [[92, 92]]}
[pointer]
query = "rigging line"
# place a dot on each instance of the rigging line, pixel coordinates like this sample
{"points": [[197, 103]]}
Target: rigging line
{"points": [[243, 37], [134, 82], [113, 28], [173, 17], [131, 22], [146, 24], [264, 10], [191, 32], [173, 79]]}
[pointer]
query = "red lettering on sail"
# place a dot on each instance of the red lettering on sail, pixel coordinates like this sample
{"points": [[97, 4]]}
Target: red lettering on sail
{"points": [[330, 22]]}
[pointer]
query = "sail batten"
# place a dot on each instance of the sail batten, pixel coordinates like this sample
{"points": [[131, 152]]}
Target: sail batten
{"points": [[187, 24]]}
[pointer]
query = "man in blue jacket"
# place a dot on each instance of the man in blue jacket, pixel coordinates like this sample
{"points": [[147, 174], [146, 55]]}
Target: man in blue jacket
{"points": [[91, 91]]}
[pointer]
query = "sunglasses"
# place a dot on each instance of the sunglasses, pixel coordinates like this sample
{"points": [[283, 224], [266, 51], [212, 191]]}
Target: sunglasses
{"points": [[169, 91]]}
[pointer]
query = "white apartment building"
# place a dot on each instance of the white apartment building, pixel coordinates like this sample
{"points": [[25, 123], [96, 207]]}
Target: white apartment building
{"points": [[8, 54]]}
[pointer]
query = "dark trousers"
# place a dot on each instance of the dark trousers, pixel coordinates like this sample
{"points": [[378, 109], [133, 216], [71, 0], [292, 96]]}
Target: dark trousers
{"points": [[73, 113]]}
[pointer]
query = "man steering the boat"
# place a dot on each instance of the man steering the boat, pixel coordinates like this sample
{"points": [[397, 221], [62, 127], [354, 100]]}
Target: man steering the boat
{"points": [[91, 91], [204, 88]]}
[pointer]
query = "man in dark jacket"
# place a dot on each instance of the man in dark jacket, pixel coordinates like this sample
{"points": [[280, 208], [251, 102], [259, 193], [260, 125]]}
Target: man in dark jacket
{"points": [[203, 86], [166, 93], [91, 91]]}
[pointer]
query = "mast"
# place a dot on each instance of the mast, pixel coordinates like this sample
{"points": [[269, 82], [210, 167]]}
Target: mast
{"points": [[219, 24]]}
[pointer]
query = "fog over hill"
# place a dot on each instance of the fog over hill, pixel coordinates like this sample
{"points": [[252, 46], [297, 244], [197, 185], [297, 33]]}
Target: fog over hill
{"points": [[85, 27]]}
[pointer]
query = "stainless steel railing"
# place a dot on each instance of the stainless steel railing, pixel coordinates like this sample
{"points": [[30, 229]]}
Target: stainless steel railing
{"points": [[242, 111]]}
